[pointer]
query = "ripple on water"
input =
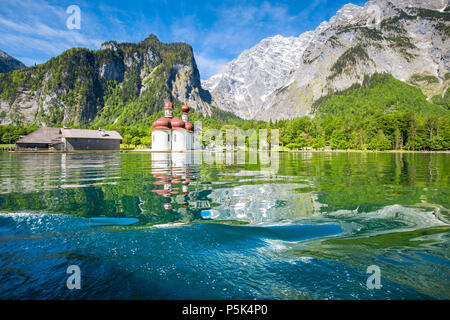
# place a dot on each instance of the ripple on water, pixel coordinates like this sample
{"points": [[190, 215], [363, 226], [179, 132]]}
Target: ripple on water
{"points": [[316, 222]]}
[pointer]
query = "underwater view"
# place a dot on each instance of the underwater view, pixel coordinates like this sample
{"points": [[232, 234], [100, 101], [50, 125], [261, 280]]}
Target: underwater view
{"points": [[225, 225]]}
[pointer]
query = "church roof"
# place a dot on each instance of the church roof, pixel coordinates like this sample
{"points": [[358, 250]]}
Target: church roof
{"points": [[163, 124], [177, 123]]}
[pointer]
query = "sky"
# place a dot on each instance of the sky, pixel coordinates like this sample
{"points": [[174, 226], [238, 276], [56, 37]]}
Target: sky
{"points": [[33, 31]]}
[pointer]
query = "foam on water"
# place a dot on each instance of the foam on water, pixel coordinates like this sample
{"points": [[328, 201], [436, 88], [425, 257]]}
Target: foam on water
{"points": [[23, 222]]}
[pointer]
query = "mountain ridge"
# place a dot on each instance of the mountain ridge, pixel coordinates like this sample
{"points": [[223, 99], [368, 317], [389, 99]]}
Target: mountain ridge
{"points": [[409, 40], [119, 83], [9, 63]]}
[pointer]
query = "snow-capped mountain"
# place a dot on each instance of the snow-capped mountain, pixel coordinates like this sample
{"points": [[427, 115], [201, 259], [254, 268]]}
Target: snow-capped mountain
{"points": [[281, 77], [247, 81]]}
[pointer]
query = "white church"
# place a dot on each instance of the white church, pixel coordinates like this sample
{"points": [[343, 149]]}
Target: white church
{"points": [[173, 134]]}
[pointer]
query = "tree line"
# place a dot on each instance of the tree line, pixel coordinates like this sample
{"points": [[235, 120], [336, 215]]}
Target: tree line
{"points": [[393, 131]]}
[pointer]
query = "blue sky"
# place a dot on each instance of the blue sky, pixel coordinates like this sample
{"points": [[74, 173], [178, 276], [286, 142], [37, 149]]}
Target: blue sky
{"points": [[35, 30]]}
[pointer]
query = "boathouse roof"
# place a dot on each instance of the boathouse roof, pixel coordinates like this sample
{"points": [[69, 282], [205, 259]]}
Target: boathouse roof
{"points": [[52, 136], [90, 134], [42, 136]]}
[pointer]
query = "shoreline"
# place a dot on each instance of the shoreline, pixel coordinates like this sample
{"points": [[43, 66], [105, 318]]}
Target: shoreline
{"points": [[296, 151], [227, 150], [368, 151]]}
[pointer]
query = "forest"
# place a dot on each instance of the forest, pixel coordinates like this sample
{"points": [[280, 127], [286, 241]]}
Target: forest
{"points": [[382, 113]]}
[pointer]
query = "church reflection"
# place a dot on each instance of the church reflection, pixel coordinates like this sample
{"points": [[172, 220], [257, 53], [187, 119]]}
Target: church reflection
{"points": [[232, 191], [158, 188], [175, 176]]}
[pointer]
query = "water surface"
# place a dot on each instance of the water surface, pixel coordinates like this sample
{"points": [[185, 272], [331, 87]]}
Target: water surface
{"points": [[224, 225]]}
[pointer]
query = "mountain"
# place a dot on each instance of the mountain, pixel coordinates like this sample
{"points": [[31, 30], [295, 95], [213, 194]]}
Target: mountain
{"points": [[379, 94], [246, 82], [119, 84], [281, 78], [8, 63]]}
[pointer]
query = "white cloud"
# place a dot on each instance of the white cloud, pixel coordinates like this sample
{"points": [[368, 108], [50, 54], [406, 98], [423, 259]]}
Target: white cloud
{"points": [[40, 32], [30, 45], [235, 29], [44, 31]]}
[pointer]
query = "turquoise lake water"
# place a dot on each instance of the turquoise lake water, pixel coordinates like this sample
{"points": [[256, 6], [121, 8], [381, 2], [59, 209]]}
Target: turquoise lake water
{"points": [[217, 225]]}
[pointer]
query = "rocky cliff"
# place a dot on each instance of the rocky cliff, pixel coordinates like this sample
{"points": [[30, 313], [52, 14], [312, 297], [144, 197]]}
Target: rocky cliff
{"points": [[282, 77], [8, 63], [120, 83]]}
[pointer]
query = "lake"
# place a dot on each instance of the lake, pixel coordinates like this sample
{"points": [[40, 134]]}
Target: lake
{"points": [[225, 225]]}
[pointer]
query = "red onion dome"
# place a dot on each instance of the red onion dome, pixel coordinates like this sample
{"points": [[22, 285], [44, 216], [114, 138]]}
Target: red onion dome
{"points": [[185, 108], [162, 123], [189, 126], [168, 105], [163, 193], [162, 178], [177, 123]]}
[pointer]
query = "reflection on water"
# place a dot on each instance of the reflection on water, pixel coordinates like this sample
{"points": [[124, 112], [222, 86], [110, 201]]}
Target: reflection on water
{"points": [[315, 221], [156, 188]]}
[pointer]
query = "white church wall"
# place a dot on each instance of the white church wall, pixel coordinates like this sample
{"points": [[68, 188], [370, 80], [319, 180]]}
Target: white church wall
{"points": [[161, 140], [179, 140]]}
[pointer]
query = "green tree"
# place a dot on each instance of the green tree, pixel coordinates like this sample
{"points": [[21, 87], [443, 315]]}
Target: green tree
{"points": [[398, 139], [339, 140], [380, 142], [318, 143], [127, 138], [437, 143], [146, 141], [415, 143], [136, 141]]}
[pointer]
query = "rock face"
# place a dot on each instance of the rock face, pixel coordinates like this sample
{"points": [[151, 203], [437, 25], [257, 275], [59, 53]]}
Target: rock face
{"points": [[8, 63], [249, 80], [185, 85], [280, 78], [120, 83]]}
